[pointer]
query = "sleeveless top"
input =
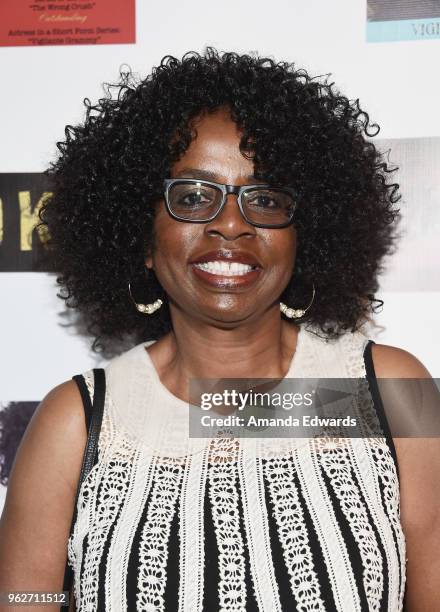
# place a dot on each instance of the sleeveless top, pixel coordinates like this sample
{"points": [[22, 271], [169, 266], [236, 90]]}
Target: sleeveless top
{"points": [[236, 525]]}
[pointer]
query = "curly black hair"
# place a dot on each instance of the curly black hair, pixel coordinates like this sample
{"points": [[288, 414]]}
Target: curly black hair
{"points": [[298, 130]]}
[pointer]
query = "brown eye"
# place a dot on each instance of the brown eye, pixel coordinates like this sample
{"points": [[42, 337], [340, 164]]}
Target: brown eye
{"points": [[271, 206], [194, 198], [263, 200]]}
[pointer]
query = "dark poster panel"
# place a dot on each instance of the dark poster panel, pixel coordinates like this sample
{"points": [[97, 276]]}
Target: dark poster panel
{"points": [[21, 197], [14, 418]]}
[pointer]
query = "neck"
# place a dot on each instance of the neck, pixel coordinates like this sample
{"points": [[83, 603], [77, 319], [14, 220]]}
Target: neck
{"points": [[194, 349]]}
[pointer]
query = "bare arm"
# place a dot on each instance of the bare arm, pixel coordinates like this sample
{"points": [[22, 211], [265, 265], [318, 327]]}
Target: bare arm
{"points": [[419, 469], [35, 523]]}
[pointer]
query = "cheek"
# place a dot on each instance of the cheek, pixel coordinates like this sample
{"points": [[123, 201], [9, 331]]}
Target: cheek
{"points": [[282, 246], [173, 240]]}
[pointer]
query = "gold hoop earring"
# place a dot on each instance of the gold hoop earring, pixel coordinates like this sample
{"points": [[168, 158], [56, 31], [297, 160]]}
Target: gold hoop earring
{"points": [[145, 308], [296, 313]]}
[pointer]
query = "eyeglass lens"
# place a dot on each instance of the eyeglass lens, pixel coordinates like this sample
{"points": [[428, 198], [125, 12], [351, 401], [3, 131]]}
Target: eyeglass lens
{"points": [[199, 202]]}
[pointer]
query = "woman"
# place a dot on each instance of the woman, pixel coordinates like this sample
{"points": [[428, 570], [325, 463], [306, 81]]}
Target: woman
{"points": [[269, 281]]}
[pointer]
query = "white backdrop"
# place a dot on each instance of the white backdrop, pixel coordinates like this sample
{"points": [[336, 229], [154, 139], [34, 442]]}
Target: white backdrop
{"points": [[43, 88]]}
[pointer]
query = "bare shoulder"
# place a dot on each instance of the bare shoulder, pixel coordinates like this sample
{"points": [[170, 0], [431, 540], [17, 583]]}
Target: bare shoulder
{"points": [[394, 362], [57, 429], [41, 491], [391, 362]]}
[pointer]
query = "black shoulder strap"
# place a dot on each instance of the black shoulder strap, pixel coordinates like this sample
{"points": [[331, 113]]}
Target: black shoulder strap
{"points": [[377, 400], [93, 417]]}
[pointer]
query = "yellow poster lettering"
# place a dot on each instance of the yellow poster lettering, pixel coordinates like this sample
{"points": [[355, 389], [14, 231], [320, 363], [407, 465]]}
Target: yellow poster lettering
{"points": [[29, 219]]}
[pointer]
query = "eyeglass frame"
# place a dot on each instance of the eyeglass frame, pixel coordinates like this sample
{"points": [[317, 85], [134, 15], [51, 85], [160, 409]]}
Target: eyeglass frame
{"points": [[237, 190]]}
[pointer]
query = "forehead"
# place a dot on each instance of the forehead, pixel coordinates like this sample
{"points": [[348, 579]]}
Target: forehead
{"points": [[215, 150]]}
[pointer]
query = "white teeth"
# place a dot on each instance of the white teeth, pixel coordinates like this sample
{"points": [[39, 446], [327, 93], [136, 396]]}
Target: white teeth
{"points": [[224, 268]]}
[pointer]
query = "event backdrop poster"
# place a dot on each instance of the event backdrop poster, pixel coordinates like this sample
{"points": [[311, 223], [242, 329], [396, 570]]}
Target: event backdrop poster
{"points": [[391, 20], [414, 267], [21, 244], [26, 23]]}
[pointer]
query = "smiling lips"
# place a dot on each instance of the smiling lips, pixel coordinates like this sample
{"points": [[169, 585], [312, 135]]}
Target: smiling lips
{"points": [[224, 268], [227, 268]]}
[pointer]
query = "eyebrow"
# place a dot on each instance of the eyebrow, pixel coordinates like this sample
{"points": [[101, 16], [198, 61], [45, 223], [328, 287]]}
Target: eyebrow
{"points": [[206, 175]]}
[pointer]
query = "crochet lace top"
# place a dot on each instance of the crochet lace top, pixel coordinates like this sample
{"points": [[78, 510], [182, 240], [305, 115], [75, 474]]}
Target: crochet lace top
{"points": [[166, 522]]}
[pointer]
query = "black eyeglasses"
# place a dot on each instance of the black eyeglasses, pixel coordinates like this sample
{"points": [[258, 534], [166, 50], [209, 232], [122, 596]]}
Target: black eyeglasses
{"points": [[201, 201]]}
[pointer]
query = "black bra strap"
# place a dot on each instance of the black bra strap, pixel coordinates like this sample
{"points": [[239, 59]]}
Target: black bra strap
{"points": [[93, 416]]}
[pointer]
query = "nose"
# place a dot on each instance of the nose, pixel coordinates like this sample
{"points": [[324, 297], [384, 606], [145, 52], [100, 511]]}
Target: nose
{"points": [[230, 223]]}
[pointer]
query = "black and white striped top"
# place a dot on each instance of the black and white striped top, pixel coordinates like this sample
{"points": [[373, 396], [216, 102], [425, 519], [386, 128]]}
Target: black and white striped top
{"points": [[171, 523]]}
